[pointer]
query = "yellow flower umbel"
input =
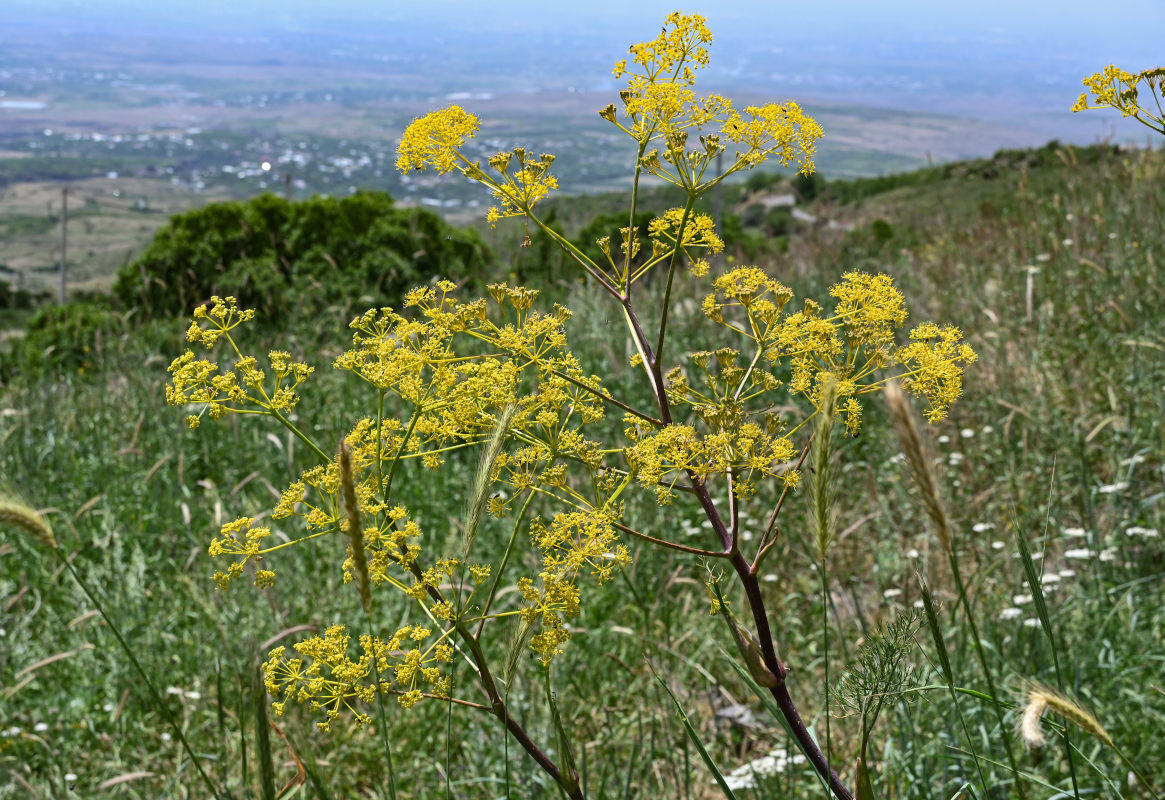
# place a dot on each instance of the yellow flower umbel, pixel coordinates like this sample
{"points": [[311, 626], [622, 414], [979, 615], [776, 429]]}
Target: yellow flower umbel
{"points": [[1115, 88], [202, 382], [660, 106], [433, 140], [851, 347], [332, 682]]}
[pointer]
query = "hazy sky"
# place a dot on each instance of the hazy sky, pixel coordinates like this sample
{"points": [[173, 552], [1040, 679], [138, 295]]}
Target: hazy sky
{"points": [[1130, 28], [979, 57]]}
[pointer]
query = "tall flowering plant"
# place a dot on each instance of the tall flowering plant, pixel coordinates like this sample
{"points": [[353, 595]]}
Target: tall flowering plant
{"points": [[497, 374]]}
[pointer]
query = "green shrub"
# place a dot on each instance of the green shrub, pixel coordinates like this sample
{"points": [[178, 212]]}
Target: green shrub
{"points": [[274, 255], [70, 338]]}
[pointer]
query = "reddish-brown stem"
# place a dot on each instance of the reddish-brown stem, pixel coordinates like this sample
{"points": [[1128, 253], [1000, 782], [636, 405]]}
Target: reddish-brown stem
{"points": [[499, 710], [780, 691], [664, 543], [606, 397], [764, 638], [766, 543]]}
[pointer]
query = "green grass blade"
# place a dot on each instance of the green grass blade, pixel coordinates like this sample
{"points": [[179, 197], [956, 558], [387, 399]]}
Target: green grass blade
{"points": [[940, 647], [694, 737]]}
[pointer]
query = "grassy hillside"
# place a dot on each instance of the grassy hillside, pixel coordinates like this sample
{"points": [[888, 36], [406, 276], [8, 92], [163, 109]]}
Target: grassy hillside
{"points": [[1047, 260]]}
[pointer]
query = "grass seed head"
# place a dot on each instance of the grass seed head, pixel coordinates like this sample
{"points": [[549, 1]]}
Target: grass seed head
{"points": [[19, 515], [1041, 699], [919, 464]]}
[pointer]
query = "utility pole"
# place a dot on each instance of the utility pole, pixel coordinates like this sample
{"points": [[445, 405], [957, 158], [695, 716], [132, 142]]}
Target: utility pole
{"points": [[64, 237], [287, 186]]}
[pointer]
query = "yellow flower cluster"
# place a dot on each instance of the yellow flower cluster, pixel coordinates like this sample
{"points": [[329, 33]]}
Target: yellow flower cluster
{"points": [[201, 382], [433, 140], [848, 347], [1115, 88], [519, 192], [241, 538], [870, 308], [775, 130], [451, 368], [659, 460], [660, 105], [696, 230], [679, 48], [331, 682], [934, 360], [571, 543]]}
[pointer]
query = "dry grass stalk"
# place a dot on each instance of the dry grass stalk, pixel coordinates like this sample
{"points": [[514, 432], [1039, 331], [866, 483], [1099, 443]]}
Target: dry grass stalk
{"points": [[355, 528], [918, 461], [484, 476], [822, 489]]}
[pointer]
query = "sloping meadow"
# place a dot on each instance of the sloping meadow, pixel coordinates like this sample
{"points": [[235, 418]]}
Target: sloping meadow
{"points": [[1055, 451]]}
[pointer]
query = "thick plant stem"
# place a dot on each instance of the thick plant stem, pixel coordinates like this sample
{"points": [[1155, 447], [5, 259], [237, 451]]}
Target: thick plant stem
{"points": [[780, 691], [748, 578], [764, 638]]}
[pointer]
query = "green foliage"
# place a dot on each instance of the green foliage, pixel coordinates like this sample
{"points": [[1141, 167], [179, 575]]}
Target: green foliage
{"points": [[12, 298], [808, 187], [880, 672], [274, 256], [63, 339]]}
